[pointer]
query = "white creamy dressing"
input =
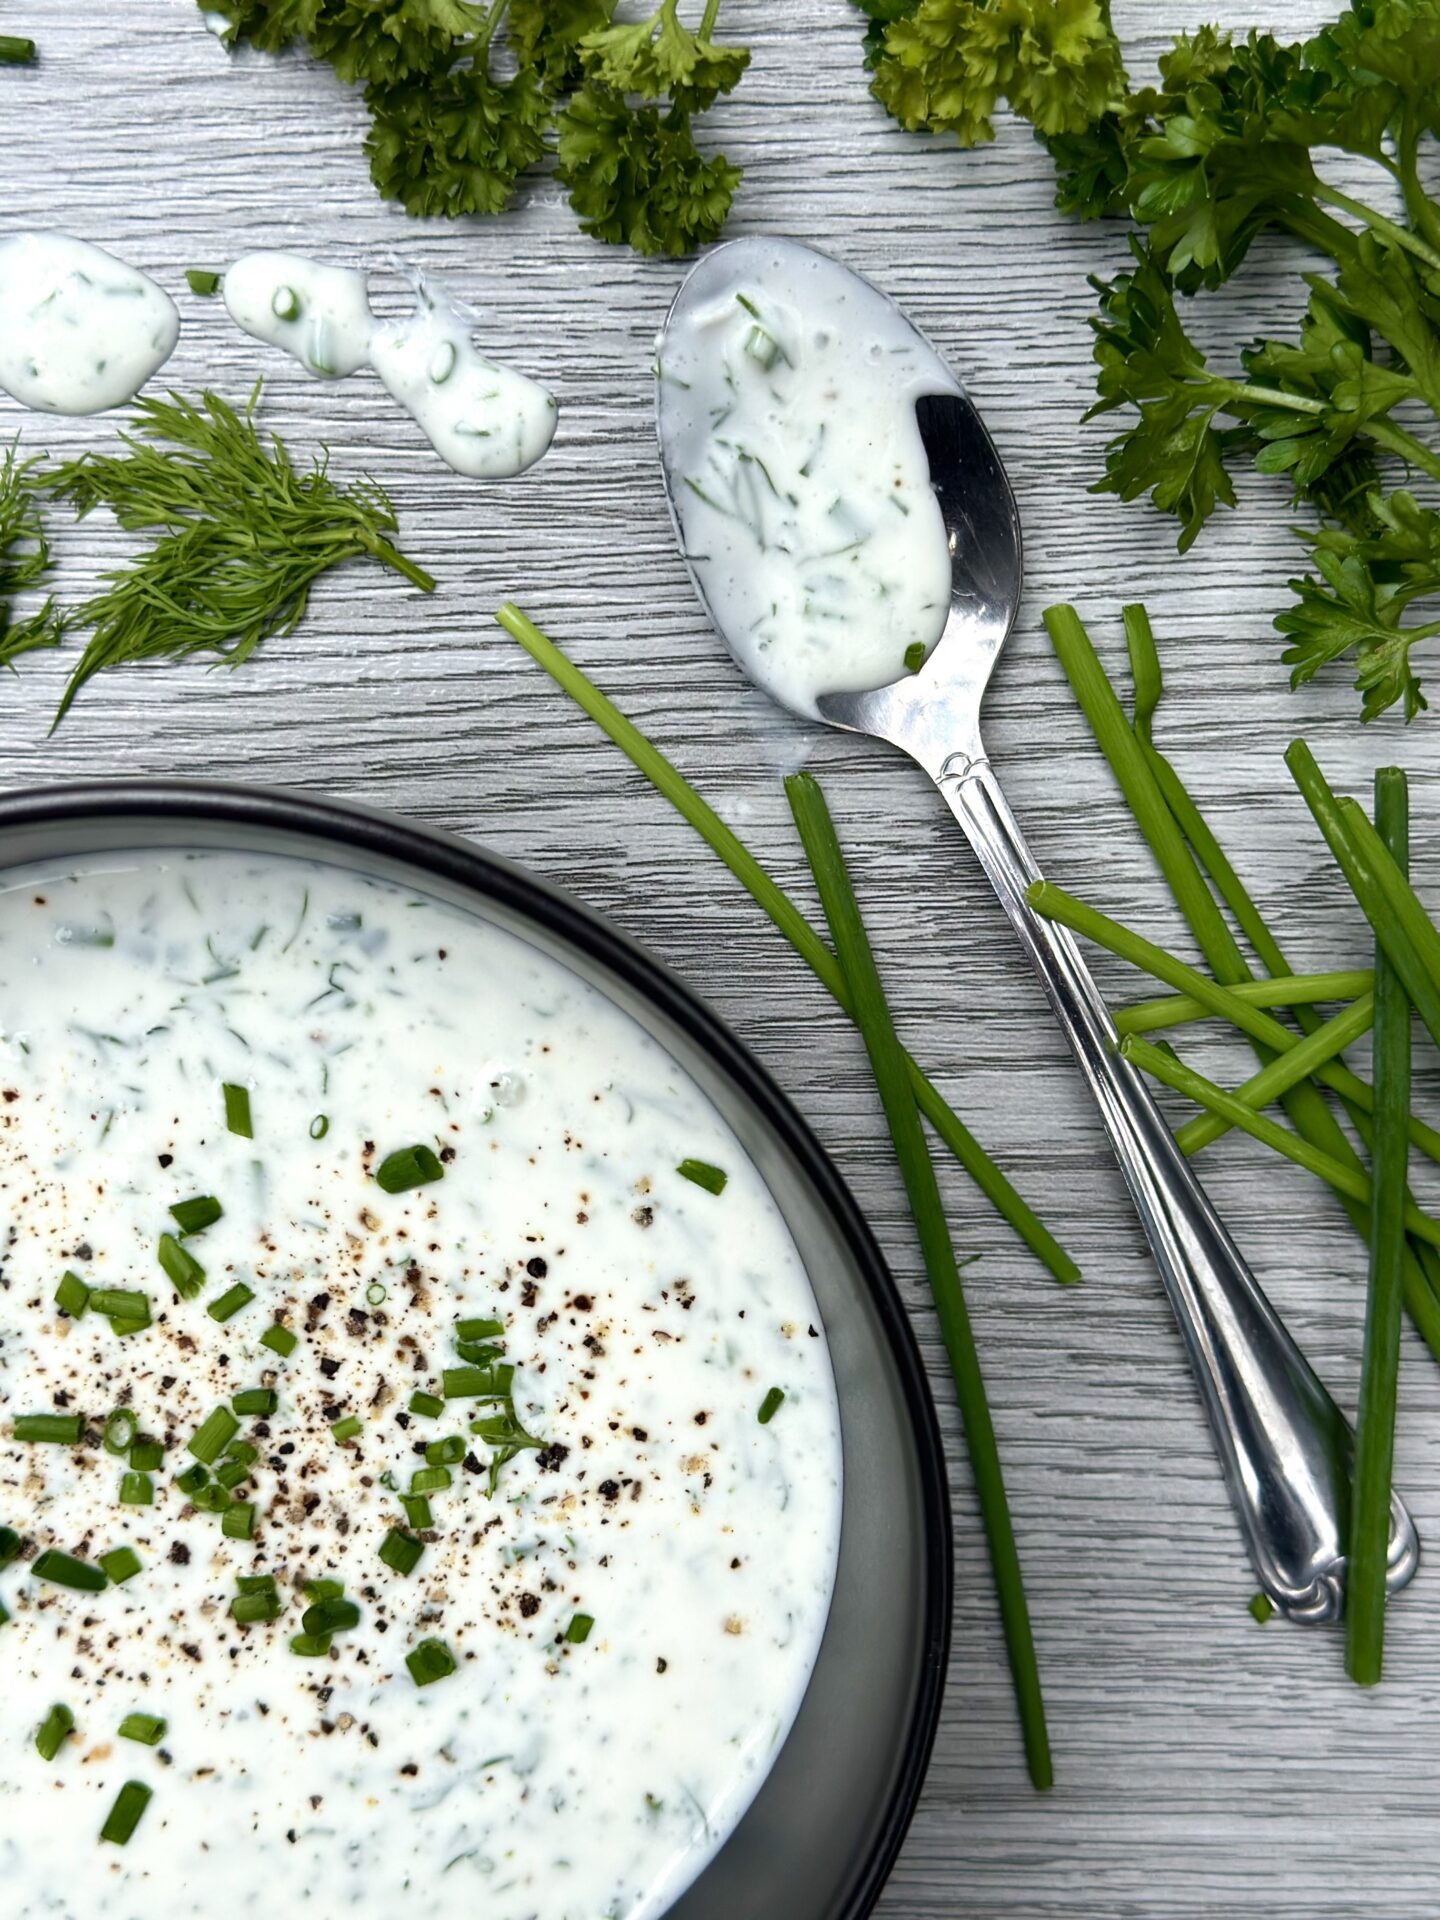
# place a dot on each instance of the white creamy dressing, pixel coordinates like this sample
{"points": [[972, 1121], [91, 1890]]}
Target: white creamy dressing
{"points": [[80, 331], [483, 419], [646, 1318], [787, 390]]}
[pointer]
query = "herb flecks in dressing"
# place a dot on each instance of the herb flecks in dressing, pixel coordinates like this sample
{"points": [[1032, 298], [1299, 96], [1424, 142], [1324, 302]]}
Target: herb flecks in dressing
{"points": [[80, 331], [484, 420], [787, 392], [559, 1709]]}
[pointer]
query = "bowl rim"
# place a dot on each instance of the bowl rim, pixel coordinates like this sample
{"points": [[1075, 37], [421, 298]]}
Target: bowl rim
{"points": [[468, 864]]}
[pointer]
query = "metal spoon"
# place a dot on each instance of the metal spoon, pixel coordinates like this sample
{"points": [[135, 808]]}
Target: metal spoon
{"points": [[1285, 1448]]}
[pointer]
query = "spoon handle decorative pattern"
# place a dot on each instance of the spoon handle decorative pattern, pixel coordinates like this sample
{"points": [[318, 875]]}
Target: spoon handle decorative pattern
{"points": [[1284, 1446]]}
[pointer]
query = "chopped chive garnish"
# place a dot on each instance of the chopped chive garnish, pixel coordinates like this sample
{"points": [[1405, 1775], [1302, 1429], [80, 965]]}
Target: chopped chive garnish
{"points": [[428, 1661], [310, 1646], [121, 1428], [255, 1583], [401, 1551], [430, 1480], [120, 1564], [4, 1613], [192, 1479], [126, 1814], [255, 1402], [230, 1473], [237, 1110], [182, 1269], [212, 1436], [56, 1429], [771, 1405], [915, 656], [239, 1521], [72, 1296], [712, 1179], [256, 1608], [230, 1302], [146, 1454], [479, 1329], [203, 281], [479, 1353], [417, 1512], [147, 1728], [429, 1406], [121, 1305], [408, 1167], [54, 1730], [242, 1450], [330, 1615], [280, 1340], [193, 1216], [123, 1327], [476, 1383], [324, 1589], [137, 1490], [578, 1631], [212, 1499], [10, 1545], [1261, 1607], [346, 1429], [320, 1126], [448, 1452]]}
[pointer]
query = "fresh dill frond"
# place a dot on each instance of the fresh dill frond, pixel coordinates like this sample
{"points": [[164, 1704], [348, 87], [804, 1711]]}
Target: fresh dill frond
{"points": [[24, 558], [242, 536]]}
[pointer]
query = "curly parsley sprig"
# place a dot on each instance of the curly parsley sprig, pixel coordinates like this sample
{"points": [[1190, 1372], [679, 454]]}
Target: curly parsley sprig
{"points": [[1239, 138], [615, 102]]}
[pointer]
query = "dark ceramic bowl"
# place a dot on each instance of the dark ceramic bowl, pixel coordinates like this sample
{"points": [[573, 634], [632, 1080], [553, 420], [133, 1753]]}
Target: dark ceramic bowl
{"points": [[822, 1832]]}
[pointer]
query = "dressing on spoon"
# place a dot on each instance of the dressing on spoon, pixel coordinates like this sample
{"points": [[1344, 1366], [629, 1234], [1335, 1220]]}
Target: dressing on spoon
{"points": [[483, 419], [80, 331], [800, 486]]}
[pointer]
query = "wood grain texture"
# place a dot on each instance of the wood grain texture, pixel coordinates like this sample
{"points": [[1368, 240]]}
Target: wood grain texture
{"points": [[1206, 1767]]}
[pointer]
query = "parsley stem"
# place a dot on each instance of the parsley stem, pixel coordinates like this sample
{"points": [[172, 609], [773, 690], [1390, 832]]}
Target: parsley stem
{"points": [[1375, 1423], [708, 19], [897, 1096], [1367, 216], [1296, 990], [1285, 1070], [786, 916], [1163, 1065]]}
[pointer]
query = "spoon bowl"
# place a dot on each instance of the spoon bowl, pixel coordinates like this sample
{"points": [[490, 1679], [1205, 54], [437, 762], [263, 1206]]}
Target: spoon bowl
{"points": [[755, 546]]}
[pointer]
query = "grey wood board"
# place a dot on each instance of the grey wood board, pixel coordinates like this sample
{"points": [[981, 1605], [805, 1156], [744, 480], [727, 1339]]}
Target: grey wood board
{"points": [[1205, 1766]]}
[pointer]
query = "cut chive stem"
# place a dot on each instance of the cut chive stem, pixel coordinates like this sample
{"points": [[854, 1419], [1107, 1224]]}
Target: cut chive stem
{"points": [[237, 1110], [408, 1167], [54, 1730], [1285, 1070], [127, 1812], [1393, 930], [702, 1174], [887, 1061], [1163, 1065], [429, 1661], [787, 918], [1055, 904], [146, 1728], [193, 1216], [1158, 783], [64, 1570], [771, 1405], [1370, 1515], [181, 1268], [1179, 1010], [50, 1429]]}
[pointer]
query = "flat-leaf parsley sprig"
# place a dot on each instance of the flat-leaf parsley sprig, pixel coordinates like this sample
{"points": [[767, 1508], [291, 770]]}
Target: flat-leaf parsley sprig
{"points": [[241, 536], [447, 136]]}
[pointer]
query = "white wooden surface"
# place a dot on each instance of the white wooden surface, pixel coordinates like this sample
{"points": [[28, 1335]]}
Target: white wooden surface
{"points": [[1206, 1766]]}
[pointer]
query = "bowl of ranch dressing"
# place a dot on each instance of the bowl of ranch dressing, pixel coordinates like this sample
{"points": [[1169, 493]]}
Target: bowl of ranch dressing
{"points": [[460, 1448]]}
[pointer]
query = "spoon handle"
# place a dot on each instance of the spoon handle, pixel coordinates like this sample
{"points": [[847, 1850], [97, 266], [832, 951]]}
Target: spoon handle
{"points": [[1285, 1448]]}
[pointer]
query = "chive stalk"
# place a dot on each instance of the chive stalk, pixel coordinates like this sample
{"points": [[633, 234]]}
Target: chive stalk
{"points": [[16, 50], [788, 920], [1370, 1514], [408, 1167], [237, 1110], [1163, 1065], [54, 1730], [1055, 904], [119, 1565], [1179, 1010], [181, 1268], [50, 1429], [125, 1815], [701, 1174], [1285, 1070], [148, 1729], [872, 1015], [64, 1570], [429, 1661]]}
